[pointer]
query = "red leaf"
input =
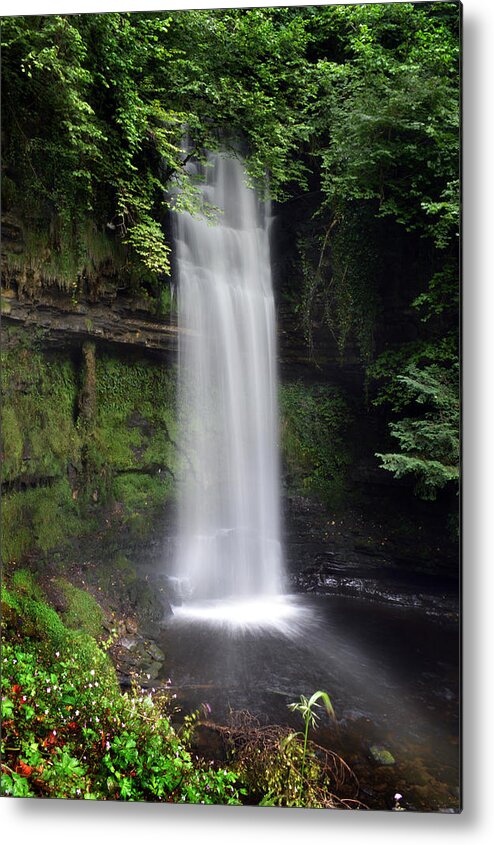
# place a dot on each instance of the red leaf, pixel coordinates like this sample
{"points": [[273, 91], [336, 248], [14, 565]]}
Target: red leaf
{"points": [[23, 769]]}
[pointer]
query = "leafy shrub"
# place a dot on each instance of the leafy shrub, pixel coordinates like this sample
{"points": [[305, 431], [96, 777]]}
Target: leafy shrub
{"points": [[428, 436], [57, 706], [69, 732]]}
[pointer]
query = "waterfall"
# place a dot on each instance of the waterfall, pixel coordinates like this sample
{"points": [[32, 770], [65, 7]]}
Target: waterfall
{"points": [[229, 524]]}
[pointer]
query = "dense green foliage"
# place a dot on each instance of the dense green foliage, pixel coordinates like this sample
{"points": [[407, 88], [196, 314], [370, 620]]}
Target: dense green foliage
{"points": [[132, 753], [388, 120], [68, 731], [429, 443], [96, 107]]}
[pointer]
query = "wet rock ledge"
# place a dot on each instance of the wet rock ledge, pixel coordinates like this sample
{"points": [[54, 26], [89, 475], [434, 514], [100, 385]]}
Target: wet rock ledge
{"points": [[62, 322]]}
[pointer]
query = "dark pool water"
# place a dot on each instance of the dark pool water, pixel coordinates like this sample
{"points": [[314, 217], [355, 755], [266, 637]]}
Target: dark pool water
{"points": [[391, 673]]}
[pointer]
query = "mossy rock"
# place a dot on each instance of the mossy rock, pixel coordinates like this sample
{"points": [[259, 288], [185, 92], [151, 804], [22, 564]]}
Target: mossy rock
{"points": [[124, 567], [24, 584], [116, 574], [39, 518], [146, 602], [82, 613], [11, 616], [381, 755], [43, 622], [140, 526], [28, 612]]}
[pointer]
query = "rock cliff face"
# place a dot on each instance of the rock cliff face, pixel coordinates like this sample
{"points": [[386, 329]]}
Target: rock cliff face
{"points": [[88, 404], [102, 308], [63, 470], [64, 322]]}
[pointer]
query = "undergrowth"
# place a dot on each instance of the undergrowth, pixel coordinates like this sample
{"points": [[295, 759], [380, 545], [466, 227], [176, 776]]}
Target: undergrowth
{"points": [[280, 770], [68, 731], [82, 612]]}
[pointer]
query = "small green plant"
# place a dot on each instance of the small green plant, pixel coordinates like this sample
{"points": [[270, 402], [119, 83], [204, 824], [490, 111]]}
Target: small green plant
{"points": [[306, 708], [269, 760]]}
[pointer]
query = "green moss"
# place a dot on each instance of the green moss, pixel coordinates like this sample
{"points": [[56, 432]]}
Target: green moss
{"points": [[58, 255], [28, 612], [24, 584], [87, 396], [40, 517], [142, 496], [45, 621], [27, 606], [17, 533], [140, 526], [126, 451], [381, 755], [83, 612], [55, 518], [136, 414], [314, 426], [141, 492], [123, 569], [160, 451], [133, 424], [117, 573], [39, 433], [12, 445]]}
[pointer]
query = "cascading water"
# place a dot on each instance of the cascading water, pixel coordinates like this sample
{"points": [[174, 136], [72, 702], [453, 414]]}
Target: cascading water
{"points": [[235, 634], [229, 524]]}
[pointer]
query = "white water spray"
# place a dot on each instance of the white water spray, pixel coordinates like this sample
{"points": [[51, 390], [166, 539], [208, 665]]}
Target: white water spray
{"points": [[229, 525]]}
